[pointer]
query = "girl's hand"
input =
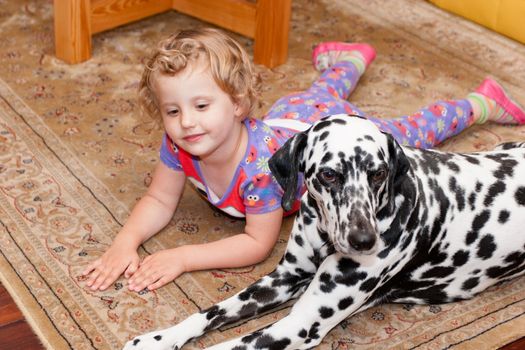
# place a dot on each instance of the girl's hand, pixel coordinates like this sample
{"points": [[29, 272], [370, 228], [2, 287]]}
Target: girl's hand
{"points": [[158, 269], [105, 270]]}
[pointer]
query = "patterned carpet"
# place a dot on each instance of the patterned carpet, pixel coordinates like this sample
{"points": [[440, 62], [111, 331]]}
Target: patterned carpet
{"points": [[76, 154]]}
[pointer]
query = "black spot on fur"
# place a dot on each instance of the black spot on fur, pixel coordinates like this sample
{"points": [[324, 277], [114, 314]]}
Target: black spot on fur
{"points": [[321, 125], [266, 341], [470, 284], [327, 157], [327, 285], [453, 166], [326, 312], [293, 282], [506, 167], [310, 171], [158, 337], [350, 279], [472, 200], [313, 333], [136, 341], [458, 192], [520, 195], [214, 311], [261, 294], [503, 216], [437, 256], [494, 190], [477, 224], [251, 337], [471, 159], [439, 272], [432, 295], [290, 258], [345, 265], [460, 258], [479, 186], [248, 310], [368, 285], [344, 303], [486, 247], [514, 262], [299, 240]]}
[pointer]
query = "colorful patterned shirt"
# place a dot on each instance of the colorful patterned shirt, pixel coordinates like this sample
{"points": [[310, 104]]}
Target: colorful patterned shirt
{"points": [[253, 189]]}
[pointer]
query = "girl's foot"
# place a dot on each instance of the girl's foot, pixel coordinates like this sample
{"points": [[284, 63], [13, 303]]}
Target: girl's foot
{"points": [[491, 102], [327, 54]]}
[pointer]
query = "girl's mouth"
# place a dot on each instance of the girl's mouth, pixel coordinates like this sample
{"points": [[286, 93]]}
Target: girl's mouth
{"points": [[193, 138]]}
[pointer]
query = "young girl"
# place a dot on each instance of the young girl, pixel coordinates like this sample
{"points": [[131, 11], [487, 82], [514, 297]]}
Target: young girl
{"points": [[203, 86]]}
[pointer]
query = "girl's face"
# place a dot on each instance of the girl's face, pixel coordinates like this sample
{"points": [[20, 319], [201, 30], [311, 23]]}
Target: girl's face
{"points": [[197, 115]]}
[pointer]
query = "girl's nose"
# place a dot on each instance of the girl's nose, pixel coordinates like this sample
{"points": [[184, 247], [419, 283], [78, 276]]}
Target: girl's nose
{"points": [[187, 120]]}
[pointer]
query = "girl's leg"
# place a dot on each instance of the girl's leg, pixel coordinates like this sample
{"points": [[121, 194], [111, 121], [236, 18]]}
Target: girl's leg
{"points": [[492, 102], [341, 64], [432, 125]]}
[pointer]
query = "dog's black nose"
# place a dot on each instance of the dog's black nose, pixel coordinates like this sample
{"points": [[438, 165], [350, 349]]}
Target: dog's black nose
{"points": [[362, 241], [361, 235]]}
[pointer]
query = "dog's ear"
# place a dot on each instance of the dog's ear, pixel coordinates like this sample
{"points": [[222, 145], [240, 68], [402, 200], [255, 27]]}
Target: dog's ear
{"points": [[285, 165], [398, 161], [399, 166]]}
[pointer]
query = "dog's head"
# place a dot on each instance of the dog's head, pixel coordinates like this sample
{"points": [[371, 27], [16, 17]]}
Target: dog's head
{"points": [[351, 169]]}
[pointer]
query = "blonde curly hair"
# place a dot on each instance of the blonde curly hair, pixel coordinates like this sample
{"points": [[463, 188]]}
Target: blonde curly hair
{"points": [[229, 64]]}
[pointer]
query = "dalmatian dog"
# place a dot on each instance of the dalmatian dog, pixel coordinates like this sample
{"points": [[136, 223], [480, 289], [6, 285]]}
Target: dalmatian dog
{"points": [[379, 223]]}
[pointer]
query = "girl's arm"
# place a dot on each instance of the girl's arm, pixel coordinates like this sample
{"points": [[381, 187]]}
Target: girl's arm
{"points": [[153, 211], [248, 248]]}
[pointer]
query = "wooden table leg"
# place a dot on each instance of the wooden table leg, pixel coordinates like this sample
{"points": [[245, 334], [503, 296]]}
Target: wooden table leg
{"points": [[72, 30], [271, 32]]}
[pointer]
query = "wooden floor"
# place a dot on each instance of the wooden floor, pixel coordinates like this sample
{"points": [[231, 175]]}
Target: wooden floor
{"points": [[15, 333]]}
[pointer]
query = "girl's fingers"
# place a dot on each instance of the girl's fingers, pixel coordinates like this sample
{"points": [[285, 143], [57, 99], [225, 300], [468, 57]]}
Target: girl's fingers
{"points": [[112, 277], [144, 283], [93, 277], [93, 265], [96, 281], [131, 269], [162, 281], [143, 280], [105, 277]]}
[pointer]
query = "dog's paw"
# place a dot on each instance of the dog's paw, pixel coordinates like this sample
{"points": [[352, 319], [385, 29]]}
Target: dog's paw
{"points": [[159, 340]]}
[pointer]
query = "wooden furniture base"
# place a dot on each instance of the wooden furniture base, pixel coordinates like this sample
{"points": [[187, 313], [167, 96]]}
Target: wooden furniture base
{"points": [[266, 21]]}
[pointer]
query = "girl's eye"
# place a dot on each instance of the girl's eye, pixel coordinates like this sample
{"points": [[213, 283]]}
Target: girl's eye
{"points": [[173, 112], [202, 106]]}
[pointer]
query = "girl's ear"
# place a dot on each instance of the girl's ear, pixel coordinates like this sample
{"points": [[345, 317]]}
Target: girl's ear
{"points": [[239, 107], [238, 110]]}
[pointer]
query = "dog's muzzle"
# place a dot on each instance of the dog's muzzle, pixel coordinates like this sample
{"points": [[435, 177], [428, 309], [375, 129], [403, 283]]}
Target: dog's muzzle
{"points": [[362, 235]]}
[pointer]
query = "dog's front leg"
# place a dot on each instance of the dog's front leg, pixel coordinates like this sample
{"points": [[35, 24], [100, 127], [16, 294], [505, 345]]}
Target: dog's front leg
{"points": [[289, 279], [265, 294], [341, 287]]}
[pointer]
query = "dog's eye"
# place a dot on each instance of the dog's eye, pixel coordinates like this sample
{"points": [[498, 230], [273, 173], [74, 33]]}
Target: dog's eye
{"points": [[379, 176], [328, 176]]}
